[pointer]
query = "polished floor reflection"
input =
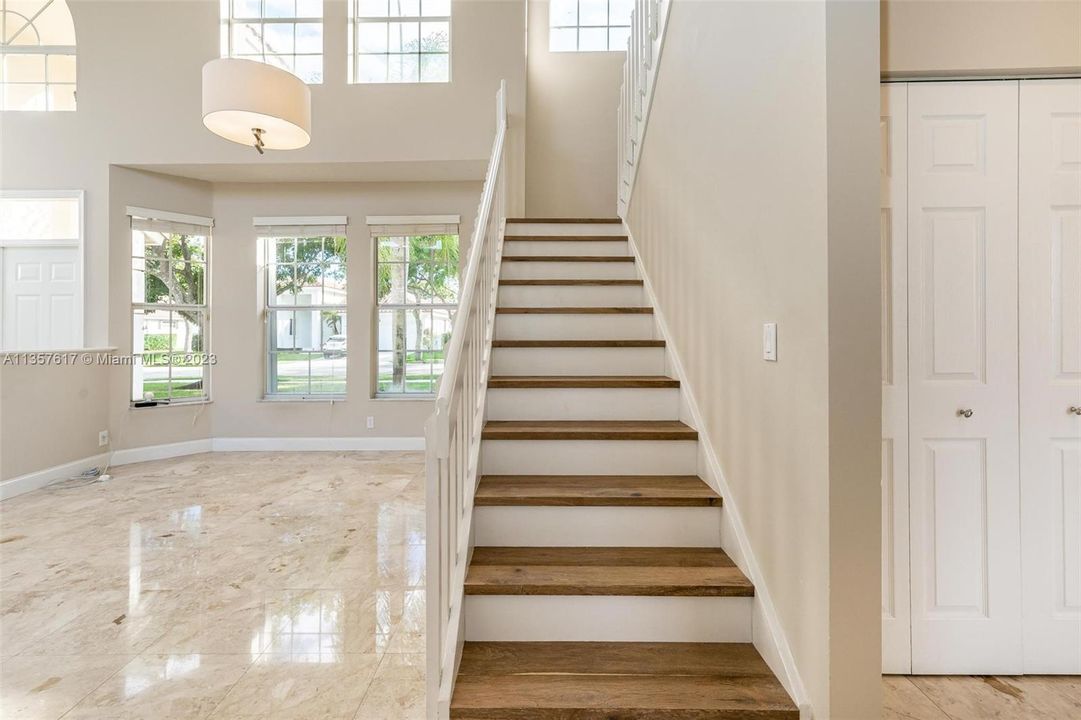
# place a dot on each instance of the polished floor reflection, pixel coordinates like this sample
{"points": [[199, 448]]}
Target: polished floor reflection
{"points": [[226, 585]]}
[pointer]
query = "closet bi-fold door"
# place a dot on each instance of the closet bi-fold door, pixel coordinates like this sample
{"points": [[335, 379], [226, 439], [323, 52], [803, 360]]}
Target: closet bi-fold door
{"points": [[963, 449], [1050, 342], [896, 632]]}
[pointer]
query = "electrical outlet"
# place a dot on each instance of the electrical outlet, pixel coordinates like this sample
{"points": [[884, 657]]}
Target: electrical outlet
{"points": [[103, 438], [769, 342], [371, 422]]}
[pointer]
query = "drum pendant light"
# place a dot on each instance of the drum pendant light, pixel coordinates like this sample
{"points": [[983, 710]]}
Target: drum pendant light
{"points": [[256, 104]]}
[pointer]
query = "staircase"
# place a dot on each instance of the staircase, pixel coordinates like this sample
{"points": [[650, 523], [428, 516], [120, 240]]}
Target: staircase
{"points": [[597, 588]]}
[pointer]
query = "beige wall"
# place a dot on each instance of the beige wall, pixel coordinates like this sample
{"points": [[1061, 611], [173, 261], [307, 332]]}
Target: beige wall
{"points": [[237, 337], [980, 37], [50, 414], [570, 126], [137, 427], [139, 104], [735, 213]]}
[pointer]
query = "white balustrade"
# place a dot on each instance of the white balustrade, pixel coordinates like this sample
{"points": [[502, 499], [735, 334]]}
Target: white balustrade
{"points": [[453, 431]]}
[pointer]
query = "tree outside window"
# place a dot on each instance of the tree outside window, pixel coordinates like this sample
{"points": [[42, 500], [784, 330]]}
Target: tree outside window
{"points": [[417, 294]]}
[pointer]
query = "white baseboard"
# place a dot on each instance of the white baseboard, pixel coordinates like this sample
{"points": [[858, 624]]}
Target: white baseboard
{"points": [[160, 452], [769, 638], [314, 444], [41, 478], [264, 444]]}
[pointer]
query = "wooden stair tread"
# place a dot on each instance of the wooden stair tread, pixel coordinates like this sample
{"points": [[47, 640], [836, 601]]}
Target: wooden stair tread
{"points": [[565, 220], [578, 343], [572, 281], [574, 311], [638, 571], [596, 490], [625, 680], [568, 258], [582, 381], [565, 238], [612, 658], [588, 430]]}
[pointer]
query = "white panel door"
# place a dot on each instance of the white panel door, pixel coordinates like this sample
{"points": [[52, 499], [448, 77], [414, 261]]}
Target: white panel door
{"points": [[896, 632], [40, 298], [963, 459], [1050, 328]]}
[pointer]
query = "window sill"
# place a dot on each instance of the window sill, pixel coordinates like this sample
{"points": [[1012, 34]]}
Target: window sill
{"points": [[302, 399], [185, 403], [405, 398]]}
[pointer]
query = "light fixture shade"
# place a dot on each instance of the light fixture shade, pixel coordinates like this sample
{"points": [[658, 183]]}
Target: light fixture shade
{"points": [[240, 96]]}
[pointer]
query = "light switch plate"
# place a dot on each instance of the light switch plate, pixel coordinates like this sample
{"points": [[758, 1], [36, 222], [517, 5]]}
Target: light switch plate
{"points": [[769, 342]]}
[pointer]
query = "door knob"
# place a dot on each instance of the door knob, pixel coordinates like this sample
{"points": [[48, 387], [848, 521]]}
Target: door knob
{"points": [[1075, 410], [964, 412]]}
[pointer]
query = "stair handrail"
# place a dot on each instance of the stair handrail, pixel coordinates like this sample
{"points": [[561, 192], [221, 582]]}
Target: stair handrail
{"points": [[452, 433], [649, 19]]}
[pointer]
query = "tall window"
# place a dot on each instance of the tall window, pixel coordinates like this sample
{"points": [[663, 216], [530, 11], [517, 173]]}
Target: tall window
{"points": [[417, 296], [399, 41], [589, 25], [307, 333], [37, 55], [170, 320], [284, 33]]}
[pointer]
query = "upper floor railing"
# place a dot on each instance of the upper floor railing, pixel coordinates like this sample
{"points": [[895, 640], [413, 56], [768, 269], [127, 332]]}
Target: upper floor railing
{"points": [[648, 22], [453, 431]]}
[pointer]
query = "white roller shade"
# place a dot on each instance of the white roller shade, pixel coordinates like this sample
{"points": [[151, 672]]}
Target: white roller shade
{"points": [[191, 225], [405, 225], [292, 226]]}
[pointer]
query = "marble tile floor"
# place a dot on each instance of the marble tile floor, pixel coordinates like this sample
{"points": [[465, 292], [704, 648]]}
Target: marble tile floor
{"points": [[225, 585]]}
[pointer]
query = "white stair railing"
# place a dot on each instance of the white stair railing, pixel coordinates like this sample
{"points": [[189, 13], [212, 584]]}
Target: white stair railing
{"points": [[648, 22], [453, 431]]}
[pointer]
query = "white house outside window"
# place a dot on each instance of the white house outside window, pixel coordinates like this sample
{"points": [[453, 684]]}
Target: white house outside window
{"points": [[589, 25], [307, 334], [37, 55], [284, 33], [399, 41], [170, 262]]}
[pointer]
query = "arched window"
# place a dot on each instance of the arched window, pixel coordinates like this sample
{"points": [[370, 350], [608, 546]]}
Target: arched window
{"points": [[37, 55], [284, 33]]}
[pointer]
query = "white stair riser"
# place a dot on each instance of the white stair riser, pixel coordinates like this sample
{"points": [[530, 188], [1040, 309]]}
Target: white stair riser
{"points": [[571, 296], [565, 229], [589, 457], [583, 403], [522, 618], [578, 361], [564, 326], [568, 270], [522, 526], [566, 247]]}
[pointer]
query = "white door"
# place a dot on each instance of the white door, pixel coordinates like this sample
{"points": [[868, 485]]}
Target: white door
{"points": [[896, 638], [40, 298], [1050, 327], [962, 268]]}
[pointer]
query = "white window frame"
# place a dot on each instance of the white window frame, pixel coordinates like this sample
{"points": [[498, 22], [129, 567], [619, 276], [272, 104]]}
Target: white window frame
{"points": [[356, 20], [228, 19], [319, 226], [167, 216], [381, 226], [578, 27], [79, 244], [46, 50]]}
